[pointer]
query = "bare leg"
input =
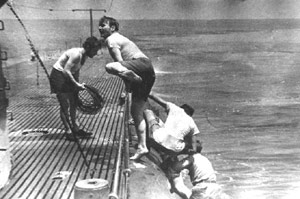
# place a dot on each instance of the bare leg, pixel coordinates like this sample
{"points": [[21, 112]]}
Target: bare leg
{"points": [[73, 111], [151, 121], [137, 108], [131, 76], [64, 106], [116, 68]]}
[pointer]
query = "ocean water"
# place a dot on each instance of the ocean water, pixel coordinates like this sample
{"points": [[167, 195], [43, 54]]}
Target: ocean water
{"points": [[241, 76]]}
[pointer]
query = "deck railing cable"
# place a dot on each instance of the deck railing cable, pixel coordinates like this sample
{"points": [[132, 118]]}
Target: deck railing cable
{"points": [[126, 171], [116, 180], [123, 149]]}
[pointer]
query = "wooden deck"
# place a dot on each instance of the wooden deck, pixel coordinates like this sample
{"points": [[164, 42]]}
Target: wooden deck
{"points": [[39, 148]]}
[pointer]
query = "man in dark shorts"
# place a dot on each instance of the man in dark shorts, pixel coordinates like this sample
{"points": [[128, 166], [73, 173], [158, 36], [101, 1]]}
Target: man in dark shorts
{"points": [[64, 82], [135, 68]]}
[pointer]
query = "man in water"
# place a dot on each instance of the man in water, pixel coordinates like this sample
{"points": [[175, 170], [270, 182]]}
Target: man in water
{"points": [[202, 176], [64, 82], [136, 70], [179, 132]]}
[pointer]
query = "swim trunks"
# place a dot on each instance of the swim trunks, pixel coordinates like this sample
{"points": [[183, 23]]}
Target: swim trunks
{"points": [[144, 68], [61, 83]]}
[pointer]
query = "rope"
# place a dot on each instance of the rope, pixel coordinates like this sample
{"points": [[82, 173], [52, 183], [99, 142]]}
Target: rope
{"points": [[42, 64], [86, 106], [50, 9], [95, 95], [29, 40], [89, 101], [40, 8]]}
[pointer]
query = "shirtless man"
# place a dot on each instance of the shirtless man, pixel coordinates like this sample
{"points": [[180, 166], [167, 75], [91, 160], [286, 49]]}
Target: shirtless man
{"points": [[64, 82], [135, 68]]}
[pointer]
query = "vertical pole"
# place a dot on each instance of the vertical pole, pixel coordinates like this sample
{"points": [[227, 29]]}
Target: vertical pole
{"points": [[91, 21], [91, 16]]}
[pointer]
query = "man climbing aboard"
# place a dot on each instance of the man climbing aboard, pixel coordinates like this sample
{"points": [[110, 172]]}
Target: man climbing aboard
{"points": [[179, 132], [202, 176]]}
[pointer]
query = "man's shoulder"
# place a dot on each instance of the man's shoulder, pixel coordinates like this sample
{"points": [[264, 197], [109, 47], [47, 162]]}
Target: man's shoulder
{"points": [[115, 36], [172, 105], [73, 53], [200, 157], [116, 40]]}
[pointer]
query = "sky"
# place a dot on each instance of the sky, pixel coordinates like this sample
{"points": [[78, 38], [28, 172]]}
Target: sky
{"points": [[155, 9]]}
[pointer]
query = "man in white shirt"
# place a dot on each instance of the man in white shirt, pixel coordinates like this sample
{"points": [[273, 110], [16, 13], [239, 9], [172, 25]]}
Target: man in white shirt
{"points": [[178, 132]]}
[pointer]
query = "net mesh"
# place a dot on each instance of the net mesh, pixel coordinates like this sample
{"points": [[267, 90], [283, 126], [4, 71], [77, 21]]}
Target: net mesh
{"points": [[89, 101]]}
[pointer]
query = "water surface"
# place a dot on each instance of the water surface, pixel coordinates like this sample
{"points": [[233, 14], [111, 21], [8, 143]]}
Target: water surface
{"points": [[242, 78]]}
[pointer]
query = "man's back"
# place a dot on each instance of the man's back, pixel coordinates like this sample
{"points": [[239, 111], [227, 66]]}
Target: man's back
{"points": [[73, 54], [201, 169], [178, 123]]}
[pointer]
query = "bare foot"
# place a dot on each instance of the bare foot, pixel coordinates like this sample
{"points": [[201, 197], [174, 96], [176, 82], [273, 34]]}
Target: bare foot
{"points": [[131, 76], [139, 153]]}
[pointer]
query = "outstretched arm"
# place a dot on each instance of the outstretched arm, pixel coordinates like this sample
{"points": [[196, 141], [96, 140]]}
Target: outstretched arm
{"points": [[180, 188], [158, 100], [115, 53], [72, 61], [177, 184]]}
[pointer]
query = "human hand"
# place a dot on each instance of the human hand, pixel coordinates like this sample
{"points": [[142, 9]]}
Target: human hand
{"points": [[191, 151], [127, 86], [172, 190], [81, 86], [198, 146]]}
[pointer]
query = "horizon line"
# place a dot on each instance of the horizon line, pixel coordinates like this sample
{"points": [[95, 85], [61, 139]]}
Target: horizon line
{"points": [[153, 19]]}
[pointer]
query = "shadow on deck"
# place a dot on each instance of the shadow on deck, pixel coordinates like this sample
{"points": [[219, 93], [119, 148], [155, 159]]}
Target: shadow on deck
{"points": [[39, 148]]}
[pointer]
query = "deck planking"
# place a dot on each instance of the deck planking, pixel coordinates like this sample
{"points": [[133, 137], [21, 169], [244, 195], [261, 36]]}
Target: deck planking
{"points": [[36, 157]]}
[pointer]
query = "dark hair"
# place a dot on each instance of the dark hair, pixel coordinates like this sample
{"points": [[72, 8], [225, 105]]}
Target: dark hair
{"points": [[187, 109], [111, 21], [90, 43]]}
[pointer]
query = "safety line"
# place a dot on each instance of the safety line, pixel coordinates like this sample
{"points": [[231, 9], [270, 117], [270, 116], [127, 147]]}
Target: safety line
{"points": [[42, 64], [29, 40], [39, 8]]}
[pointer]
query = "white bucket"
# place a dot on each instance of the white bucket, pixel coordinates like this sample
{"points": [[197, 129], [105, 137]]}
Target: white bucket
{"points": [[91, 189]]}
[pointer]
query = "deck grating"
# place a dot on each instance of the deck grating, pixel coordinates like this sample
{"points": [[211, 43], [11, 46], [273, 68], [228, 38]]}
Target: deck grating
{"points": [[37, 156]]}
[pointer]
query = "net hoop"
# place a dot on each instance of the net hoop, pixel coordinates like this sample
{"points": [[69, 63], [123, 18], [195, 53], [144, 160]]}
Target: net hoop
{"points": [[89, 101]]}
